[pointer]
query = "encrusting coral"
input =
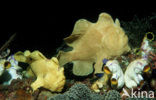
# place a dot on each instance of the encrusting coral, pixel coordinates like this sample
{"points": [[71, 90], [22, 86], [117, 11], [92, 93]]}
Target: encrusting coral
{"points": [[113, 95], [78, 91], [49, 74], [92, 42]]}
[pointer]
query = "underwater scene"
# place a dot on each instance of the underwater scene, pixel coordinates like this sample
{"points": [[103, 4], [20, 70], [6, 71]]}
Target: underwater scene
{"points": [[90, 56]]}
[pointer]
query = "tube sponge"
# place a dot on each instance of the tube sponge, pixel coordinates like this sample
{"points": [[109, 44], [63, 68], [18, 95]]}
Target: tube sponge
{"points": [[117, 73], [49, 74], [133, 73], [113, 74]]}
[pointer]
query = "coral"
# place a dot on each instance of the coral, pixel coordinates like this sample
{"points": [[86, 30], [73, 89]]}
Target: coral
{"points": [[92, 42], [78, 91], [43, 95], [17, 90], [153, 57], [95, 96], [2, 96], [60, 97], [113, 95], [20, 95], [49, 74]]}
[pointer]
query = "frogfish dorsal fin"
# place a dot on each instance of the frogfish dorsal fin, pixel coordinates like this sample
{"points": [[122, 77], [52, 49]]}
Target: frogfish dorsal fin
{"points": [[70, 39], [105, 18], [80, 28]]}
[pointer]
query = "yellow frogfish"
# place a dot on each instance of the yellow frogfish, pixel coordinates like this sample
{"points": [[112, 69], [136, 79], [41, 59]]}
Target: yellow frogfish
{"points": [[49, 74], [93, 42]]}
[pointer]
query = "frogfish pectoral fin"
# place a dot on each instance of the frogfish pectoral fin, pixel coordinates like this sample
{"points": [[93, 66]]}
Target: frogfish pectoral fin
{"points": [[82, 68]]}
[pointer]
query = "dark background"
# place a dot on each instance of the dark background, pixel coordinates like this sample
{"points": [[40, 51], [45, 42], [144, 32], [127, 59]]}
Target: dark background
{"points": [[44, 30]]}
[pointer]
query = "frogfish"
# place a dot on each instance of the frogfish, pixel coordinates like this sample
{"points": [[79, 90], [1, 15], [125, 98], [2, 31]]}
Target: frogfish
{"points": [[93, 42]]}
